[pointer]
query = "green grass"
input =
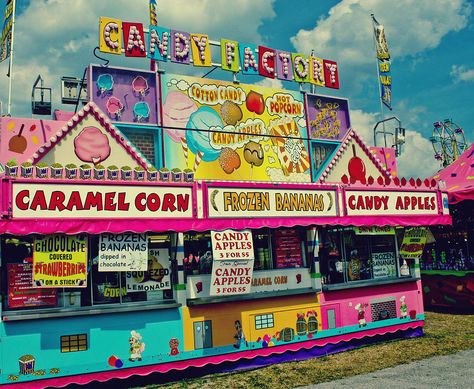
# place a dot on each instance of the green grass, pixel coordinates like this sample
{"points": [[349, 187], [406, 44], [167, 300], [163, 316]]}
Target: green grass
{"points": [[444, 334]]}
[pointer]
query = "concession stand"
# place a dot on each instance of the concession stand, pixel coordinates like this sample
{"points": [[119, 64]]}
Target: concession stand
{"points": [[177, 222], [447, 264]]}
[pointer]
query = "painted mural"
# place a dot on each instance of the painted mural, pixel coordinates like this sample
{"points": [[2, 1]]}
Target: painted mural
{"points": [[20, 138], [125, 96], [328, 117], [246, 132]]}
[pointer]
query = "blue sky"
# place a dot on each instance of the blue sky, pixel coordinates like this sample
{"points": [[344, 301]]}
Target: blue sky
{"points": [[430, 43]]}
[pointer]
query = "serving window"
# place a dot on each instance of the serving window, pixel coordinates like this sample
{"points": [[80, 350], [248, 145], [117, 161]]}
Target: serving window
{"points": [[349, 255], [24, 291], [280, 248]]}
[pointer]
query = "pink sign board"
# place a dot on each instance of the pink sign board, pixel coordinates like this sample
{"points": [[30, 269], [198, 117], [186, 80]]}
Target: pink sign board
{"points": [[21, 138]]}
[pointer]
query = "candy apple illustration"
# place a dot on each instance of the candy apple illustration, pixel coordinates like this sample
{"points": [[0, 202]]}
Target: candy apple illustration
{"points": [[356, 168], [255, 103]]}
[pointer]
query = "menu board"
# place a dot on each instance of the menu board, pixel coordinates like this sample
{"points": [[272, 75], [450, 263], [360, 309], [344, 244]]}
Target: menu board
{"points": [[287, 245], [20, 291]]}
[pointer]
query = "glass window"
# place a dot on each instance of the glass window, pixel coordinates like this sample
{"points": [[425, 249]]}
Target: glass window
{"points": [[264, 321], [197, 253], [347, 255], [155, 284]]}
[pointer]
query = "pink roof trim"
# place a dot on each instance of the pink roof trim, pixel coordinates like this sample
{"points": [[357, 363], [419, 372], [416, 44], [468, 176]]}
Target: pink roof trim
{"points": [[345, 141], [91, 109]]}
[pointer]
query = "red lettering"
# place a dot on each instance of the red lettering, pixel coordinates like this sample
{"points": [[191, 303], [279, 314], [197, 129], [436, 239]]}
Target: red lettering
{"points": [[406, 201], [183, 202], [39, 200], [413, 202], [20, 204], [360, 203], [399, 204], [153, 202], [57, 201], [109, 202], [93, 200], [369, 202], [122, 204], [168, 202], [139, 203], [75, 201], [351, 202], [432, 202]]}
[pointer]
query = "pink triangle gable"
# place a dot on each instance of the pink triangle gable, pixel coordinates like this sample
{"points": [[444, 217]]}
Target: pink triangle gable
{"points": [[353, 162], [90, 137]]}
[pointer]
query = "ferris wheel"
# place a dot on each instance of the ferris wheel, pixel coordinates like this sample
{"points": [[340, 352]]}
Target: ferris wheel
{"points": [[448, 141]]}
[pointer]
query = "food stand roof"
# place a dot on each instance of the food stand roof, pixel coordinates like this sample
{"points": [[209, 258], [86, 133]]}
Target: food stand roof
{"points": [[459, 177]]}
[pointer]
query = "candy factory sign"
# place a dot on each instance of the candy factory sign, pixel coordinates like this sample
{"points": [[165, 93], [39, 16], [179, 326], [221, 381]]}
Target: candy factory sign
{"points": [[100, 201], [359, 203], [182, 47], [237, 202]]}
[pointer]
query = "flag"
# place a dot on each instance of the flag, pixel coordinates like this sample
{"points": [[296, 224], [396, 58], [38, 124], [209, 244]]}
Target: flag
{"points": [[6, 38], [153, 20], [384, 65]]}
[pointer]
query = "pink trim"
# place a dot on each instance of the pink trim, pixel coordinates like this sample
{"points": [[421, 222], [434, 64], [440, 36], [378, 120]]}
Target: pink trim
{"points": [[91, 109], [214, 360], [344, 142], [97, 226]]}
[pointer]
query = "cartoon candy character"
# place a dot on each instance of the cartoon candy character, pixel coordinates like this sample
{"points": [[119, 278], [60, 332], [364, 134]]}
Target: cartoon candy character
{"points": [[360, 308], [239, 335], [136, 346], [403, 308], [174, 343]]}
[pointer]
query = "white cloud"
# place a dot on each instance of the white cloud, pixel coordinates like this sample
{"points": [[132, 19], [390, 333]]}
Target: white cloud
{"points": [[411, 27], [56, 38], [461, 73], [417, 158], [274, 83]]}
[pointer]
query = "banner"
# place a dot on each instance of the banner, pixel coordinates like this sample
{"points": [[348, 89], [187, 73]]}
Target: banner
{"points": [[385, 79], [157, 277], [383, 55], [413, 243], [374, 230], [384, 265], [6, 38], [60, 261], [123, 252]]}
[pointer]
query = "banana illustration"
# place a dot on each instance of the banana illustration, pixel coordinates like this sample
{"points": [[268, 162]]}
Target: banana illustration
{"points": [[330, 200], [212, 199]]}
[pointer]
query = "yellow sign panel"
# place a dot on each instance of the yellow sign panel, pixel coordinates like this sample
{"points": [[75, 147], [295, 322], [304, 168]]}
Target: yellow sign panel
{"points": [[413, 243], [201, 50], [110, 36], [60, 261]]}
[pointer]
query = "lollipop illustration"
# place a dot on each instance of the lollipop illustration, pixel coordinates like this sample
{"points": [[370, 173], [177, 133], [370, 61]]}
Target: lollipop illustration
{"points": [[253, 154], [114, 107], [176, 112], [140, 86], [198, 141], [229, 160], [105, 83], [18, 143]]}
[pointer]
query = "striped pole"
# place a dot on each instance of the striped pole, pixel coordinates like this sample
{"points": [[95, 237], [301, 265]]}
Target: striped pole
{"points": [[180, 287]]}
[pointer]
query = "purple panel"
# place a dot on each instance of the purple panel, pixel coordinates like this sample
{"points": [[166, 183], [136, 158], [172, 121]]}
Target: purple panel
{"points": [[180, 42], [124, 95], [279, 66], [328, 117]]}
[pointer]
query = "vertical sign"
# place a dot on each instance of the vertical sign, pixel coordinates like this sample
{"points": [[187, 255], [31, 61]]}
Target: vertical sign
{"points": [[232, 267], [383, 56], [6, 38]]}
